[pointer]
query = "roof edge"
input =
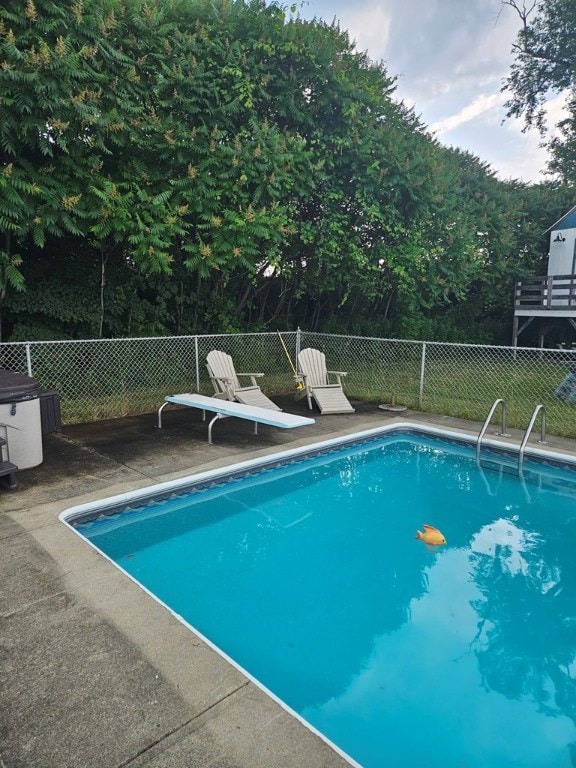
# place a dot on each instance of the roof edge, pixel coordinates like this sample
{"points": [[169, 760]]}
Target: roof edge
{"points": [[555, 225]]}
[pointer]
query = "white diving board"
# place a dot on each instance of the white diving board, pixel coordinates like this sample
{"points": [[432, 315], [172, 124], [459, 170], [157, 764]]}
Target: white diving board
{"points": [[225, 408]]}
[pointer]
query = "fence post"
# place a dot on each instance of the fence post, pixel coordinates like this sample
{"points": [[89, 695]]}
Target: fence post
{"points": [[297, 345], [28, 359], [422, 369], [197, 363]]}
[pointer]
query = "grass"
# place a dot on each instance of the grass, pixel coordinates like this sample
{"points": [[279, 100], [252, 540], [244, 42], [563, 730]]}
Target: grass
{"points": [[458, 381], [467, 391]]}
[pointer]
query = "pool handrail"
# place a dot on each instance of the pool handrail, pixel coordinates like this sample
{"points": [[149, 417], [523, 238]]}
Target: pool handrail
{"points": [[539, 408], [503, 433]]}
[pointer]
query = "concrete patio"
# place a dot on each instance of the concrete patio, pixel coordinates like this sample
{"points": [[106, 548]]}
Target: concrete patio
{"points": [[95, 673]]}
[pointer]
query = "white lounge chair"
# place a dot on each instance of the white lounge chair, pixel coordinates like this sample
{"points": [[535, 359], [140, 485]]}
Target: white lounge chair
{"points": [[313, 373], [227, 384]]}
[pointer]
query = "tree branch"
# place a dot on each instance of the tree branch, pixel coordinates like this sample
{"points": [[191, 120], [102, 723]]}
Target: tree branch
{"points": [[522, 11]]}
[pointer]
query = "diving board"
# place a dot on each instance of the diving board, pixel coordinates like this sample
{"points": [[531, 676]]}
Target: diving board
{"points": [[226, 408]]}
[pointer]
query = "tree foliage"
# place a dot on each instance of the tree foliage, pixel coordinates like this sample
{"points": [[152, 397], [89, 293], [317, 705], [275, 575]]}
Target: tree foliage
{"points": [[545, 64], [176, 166]]}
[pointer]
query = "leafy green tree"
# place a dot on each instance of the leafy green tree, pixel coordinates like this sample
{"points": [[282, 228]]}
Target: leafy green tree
{"points": [[10, 275], [173, 166], [545, 63], [66, 94], [122, 123], [376, 224]]}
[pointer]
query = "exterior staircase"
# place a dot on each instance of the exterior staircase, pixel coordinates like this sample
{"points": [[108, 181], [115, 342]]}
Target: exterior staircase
{"points": [[8, 470]]}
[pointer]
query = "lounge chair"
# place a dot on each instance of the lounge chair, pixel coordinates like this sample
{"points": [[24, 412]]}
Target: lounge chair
{"points": [[227, 384], [329, 397]]}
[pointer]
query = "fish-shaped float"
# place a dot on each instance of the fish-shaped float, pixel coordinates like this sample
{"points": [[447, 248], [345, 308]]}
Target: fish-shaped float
{"points": [[431, 536]]}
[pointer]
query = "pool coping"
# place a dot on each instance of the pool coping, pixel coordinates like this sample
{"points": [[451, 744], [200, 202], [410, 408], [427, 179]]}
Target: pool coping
{"points": [[218, 699]]}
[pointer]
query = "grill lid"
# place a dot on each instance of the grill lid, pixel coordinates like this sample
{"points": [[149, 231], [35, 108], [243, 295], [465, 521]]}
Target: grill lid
{"points": [[15, 387]]}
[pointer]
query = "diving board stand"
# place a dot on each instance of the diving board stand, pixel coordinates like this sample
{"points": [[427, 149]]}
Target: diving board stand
{"points": [[225, 408]]}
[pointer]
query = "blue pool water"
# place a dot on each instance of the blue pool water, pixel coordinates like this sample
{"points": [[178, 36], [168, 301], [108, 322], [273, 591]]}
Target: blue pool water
{"points": [[310, 577]]}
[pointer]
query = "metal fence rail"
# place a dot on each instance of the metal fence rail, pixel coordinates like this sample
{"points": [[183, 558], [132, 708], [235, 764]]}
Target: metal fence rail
{"points": [[107, 378]]}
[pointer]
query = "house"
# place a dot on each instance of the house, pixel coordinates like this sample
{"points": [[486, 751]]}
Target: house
{"points": [[550, 299]]}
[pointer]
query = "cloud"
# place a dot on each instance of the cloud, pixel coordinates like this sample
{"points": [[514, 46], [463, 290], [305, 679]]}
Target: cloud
{"points": [[556, 110], [511, 152], [369, 27], [450, 58], [449, 39], [480, 106]]}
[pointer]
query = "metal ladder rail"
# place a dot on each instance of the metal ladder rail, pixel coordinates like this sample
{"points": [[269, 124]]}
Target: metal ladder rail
{"points": [[503, 433], [539, 408]]}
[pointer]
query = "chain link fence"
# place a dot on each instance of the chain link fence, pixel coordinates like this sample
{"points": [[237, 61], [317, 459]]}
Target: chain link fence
{"points": [[108, 378]]}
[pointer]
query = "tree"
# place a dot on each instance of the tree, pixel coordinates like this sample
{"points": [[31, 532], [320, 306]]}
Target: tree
{"points": [[10, 275], [174, 166], [68, 102], [545, 63], [132, 124]]}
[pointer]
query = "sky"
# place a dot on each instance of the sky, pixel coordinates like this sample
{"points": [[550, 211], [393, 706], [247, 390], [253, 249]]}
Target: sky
{"points": [[450, 58]]}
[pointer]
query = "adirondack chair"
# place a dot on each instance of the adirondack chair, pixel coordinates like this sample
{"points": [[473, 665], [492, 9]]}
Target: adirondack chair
{"points": [[227, 384], [313, 373]]}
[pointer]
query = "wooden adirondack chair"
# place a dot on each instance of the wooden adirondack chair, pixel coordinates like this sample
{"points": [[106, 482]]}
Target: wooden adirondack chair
{"points": [[227, 384], [329, 396]]}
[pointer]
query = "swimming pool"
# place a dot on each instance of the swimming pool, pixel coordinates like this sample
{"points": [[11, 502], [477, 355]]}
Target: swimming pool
{"points": [[463, 655]]}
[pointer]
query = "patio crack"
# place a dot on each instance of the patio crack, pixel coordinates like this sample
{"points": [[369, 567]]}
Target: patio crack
{"points": [[183, 725]]}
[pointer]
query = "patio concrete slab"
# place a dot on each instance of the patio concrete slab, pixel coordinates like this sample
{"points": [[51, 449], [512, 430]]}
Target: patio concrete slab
{"points": [[74, 692], [96, 673]]}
